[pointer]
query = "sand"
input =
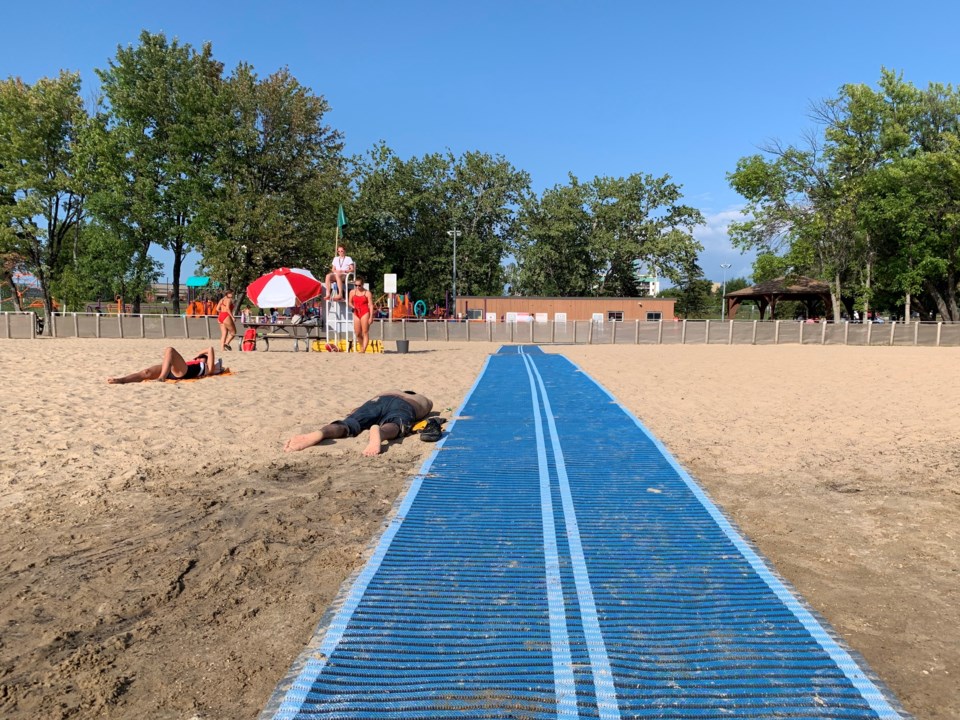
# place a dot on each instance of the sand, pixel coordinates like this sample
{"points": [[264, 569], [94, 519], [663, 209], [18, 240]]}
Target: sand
{"points": [[162, 557]]}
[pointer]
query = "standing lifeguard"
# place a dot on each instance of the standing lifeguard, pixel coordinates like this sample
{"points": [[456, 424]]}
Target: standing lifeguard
{"points": [[361, 300], [228, 326]]}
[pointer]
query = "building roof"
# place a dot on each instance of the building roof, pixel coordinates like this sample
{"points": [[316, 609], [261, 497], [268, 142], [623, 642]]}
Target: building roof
{"points": [[797, 286]]}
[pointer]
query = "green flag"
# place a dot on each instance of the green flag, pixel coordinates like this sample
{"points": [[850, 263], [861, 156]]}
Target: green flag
{"points": [[341, 219]]}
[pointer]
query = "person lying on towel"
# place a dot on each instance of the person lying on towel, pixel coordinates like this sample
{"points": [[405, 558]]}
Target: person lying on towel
{"points": [[174, 367], [387, 416]]}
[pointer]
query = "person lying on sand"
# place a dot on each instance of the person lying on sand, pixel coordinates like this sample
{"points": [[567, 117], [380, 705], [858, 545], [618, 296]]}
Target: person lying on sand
{"points": [[387, 416], [174, 367]]}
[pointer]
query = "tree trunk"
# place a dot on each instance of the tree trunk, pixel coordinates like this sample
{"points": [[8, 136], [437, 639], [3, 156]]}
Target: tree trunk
{"points": [[15, 298], [866, 294], [835, 298], [952, 297], [48, 312], [177, 262], [906, 309], [937, 300]]}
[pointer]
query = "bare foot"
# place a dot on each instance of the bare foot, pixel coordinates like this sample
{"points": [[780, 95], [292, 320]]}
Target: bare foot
{"points": [[374, 446], [301, 442], [113, 381]]}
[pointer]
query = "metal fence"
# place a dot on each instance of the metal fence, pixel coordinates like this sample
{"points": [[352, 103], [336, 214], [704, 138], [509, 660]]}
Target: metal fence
{"points": [[590, 332], [94, 325], [684, 332]]}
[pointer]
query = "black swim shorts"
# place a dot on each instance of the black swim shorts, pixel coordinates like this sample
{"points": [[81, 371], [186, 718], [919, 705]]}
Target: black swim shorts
{"points": [[380, 411]]}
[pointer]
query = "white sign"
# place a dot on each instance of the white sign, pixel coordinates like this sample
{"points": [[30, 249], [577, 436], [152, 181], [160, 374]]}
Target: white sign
{"points": [[491, 317], [560, 317], [541, 317], [598, 318], [389, 283]]}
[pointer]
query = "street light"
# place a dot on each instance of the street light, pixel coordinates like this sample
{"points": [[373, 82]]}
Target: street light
{"points": [[723, 300], [454, 234]]}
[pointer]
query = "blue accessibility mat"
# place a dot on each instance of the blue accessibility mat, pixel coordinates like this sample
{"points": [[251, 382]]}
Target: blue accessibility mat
{"points": [[552, 560]]}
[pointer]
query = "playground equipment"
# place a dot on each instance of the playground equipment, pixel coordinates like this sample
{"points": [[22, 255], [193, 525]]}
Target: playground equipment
{"points": [[28, 292], [405, 308]]}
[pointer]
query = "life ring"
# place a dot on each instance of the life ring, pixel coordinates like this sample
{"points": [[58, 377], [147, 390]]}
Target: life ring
{"points": [[420, 308]]}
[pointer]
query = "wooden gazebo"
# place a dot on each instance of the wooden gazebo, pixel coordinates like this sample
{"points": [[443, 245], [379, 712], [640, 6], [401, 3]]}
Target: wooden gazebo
{"points": [[767, 294]]}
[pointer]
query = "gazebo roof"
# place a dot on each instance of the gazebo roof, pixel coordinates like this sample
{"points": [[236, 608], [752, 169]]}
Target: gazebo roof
{"points": [[797, 286], [770, 292]]}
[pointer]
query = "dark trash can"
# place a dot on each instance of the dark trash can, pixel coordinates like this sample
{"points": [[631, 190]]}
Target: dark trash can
{"points": [[403, 346]]}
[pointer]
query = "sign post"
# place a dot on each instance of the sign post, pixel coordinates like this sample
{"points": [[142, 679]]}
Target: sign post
{"points": [[390, 288]]}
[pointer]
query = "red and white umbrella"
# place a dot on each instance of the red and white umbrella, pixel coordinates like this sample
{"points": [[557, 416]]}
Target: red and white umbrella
{"points": [[286, 287]]}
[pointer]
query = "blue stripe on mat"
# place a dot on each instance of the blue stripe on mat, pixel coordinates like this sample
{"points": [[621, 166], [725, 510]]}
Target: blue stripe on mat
{"points": [[551, 560]]}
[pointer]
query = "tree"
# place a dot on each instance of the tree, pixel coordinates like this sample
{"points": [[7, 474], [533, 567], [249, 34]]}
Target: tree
{"points": [[484, 191], [873, 207], [586, 239], [280, 177], [693, 293], [42, 204], [405, 211], [155, 145], [915, 216], [103, 268], [553, 251], [797, 204]]}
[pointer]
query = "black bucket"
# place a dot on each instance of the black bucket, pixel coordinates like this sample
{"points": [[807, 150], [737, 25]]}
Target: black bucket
{"points": [[403, 346]]}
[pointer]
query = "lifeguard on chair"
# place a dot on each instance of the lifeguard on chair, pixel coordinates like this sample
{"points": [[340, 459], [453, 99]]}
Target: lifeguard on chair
{"points": [[340, 269]]}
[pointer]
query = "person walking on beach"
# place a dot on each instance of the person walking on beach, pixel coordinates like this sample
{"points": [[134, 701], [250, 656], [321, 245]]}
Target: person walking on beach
{"points": [[174, 367], [228, 326], [362, 301], [387, 416]]}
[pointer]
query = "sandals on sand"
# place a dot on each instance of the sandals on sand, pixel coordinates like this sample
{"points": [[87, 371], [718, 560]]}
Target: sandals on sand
{"points": [[433, 431]]}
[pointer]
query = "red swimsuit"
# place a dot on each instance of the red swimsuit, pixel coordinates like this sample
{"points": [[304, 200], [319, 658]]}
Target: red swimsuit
{"points": [[361, 306]]}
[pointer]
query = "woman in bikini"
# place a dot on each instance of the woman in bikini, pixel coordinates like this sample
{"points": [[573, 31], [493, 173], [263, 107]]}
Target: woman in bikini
{"points": [[228, 326], [174, 367], [361, 300]]}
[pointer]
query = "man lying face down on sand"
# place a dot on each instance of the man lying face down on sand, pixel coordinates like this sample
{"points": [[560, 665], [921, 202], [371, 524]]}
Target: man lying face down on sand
{"points": [[387, 416], [174, 367]]}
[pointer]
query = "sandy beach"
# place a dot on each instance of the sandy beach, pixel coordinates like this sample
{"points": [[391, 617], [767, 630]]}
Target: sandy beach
{"points": [[162, 557]]}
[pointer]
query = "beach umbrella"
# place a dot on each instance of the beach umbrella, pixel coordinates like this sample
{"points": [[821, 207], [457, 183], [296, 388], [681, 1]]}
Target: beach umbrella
{"points": [[286, 287]]}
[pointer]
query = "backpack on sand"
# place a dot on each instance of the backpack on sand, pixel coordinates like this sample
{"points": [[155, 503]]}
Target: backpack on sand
{"points": [[249, 343]]}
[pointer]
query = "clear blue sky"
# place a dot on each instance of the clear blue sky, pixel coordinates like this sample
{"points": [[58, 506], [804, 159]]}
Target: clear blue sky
{"points": [[600, 88]]}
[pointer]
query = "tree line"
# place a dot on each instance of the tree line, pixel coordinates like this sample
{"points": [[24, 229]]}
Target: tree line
{"points": [[870, 202], [174, 152]]}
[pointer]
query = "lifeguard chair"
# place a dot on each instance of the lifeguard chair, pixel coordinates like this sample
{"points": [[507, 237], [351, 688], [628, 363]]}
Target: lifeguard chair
{"points": [[339, 316]]}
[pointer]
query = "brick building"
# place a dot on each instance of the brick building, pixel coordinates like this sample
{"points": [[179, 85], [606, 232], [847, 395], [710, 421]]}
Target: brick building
{"points": [[569, 308]]}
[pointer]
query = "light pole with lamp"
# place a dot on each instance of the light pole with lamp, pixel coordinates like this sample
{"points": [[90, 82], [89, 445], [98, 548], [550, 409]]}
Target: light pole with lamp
{"points": [[454, 234], [723, 300]]}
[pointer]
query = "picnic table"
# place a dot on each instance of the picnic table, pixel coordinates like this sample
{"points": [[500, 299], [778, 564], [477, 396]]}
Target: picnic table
{"points": [[283, 329]]}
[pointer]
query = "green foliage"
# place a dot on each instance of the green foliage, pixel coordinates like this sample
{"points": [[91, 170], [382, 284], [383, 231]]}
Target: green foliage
{"points": [[735, 284], [41, 202], [151, 154], [872, 206], [280, 177], [406, 210], [104, 267], [693, 293], [586, 239]]}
